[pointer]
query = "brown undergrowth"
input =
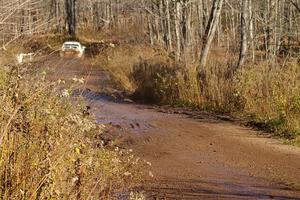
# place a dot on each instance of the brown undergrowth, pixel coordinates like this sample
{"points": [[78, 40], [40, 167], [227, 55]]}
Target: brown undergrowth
{"points": [[261, 93], [51, 147]]}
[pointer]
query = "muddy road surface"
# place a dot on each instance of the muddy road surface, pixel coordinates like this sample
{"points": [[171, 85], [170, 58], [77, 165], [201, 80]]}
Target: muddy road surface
{"points": [[192, 156]]}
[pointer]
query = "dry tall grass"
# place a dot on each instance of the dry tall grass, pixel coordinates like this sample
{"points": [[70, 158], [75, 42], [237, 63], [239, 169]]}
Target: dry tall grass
{"points": [[51, 148], [271, 95], [261, 93]]}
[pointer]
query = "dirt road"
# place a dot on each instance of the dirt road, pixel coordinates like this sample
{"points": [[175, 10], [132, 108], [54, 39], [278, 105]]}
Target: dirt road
{"points": [[193, 157]]}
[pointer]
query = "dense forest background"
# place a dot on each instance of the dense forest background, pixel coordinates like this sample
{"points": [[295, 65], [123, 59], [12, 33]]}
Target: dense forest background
{"points": [[270, 28]]}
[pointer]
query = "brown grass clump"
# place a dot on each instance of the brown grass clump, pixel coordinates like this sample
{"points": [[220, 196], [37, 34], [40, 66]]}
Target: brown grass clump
{"points": [[50, 147], [155, 82], [271, 95], [120, 60]]}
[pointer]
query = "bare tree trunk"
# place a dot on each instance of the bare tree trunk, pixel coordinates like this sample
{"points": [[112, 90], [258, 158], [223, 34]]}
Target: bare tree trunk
{"points": [[157, 27], [210, 33], [233, 26], [272, 29], [185, 28], [201, 22], [251, 29], [71, 16], [57, 16], [177, 30], [169, 35], [150, 30], [162, 23], [244, 34]]}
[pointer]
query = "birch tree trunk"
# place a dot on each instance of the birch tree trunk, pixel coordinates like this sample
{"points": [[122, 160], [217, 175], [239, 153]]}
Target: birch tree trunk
{"points": [[163, 39], [209, 34], [169, 35], [200, 12], [251, 29], [157, 26], [150, 28], [177, 30]]}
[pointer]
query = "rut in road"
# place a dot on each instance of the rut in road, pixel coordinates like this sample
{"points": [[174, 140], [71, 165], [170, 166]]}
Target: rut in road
{"points": [[192, 157]]}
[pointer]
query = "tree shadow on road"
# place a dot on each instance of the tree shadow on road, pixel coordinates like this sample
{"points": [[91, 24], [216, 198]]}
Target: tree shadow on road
{"points": [[195, 189]]}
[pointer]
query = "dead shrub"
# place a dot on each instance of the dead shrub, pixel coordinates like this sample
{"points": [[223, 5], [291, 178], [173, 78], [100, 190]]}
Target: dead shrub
{"points": [[155, 82]]}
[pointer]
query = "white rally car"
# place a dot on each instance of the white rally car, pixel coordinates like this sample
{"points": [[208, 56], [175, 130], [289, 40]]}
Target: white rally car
{"points": [[72, 49]]}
